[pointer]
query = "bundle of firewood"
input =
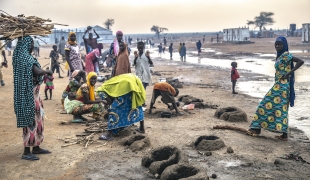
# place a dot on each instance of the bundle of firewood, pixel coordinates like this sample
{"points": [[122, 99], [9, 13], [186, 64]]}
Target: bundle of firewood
{"points": [[13, 27]]}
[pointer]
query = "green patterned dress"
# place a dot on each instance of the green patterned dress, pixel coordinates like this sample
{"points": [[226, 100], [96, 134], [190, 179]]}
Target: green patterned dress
{"points": [[272, 112]]}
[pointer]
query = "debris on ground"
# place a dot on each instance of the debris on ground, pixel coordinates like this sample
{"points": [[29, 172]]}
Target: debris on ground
{"points": [[231, 113]]}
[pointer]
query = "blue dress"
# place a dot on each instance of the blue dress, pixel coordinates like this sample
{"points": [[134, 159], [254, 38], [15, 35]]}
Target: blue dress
{"points": [[121, 114]]}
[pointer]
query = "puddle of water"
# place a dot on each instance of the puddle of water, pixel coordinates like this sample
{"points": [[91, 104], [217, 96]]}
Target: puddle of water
{"points": [[268, 55], [260, 88]]}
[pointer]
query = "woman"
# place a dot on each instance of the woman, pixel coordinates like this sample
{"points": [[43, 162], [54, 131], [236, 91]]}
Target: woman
{"points": [[72, 52], [28, 105], [86, 94], [92, 58], [125, 94], [74, 84], [122, 61], [272, 112]]}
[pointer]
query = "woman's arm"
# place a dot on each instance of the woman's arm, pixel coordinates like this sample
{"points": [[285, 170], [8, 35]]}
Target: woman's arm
{"points": [[67, 53], [40, 72], [299, 63], [87, 101]]}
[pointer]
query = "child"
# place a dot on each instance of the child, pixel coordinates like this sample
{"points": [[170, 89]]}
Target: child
{"points": [[55, 64], [234, 76], [48, 80], [74, 84]]}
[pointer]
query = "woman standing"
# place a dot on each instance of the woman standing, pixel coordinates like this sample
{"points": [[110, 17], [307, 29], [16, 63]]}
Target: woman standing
{"points": [[28, 106], [122, 61], [92, 58], [272, 112], [72, 52]]}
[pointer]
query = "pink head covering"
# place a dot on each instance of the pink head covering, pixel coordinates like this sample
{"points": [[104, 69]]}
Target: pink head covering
{"points": [[119, 32], [75, 72]]}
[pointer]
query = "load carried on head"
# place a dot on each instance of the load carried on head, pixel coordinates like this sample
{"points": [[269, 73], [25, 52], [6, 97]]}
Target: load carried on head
{"points": [[12, 27]]}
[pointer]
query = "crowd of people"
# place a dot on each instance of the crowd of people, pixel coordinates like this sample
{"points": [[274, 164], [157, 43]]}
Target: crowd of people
{"points": [[120, 99]]}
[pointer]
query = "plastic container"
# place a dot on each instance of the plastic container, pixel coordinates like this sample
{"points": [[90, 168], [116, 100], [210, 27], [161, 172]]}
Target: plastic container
{"points": [[162, 80], [189, 107]]}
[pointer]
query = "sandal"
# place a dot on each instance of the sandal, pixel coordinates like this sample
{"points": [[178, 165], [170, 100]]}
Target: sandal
{"points": [[30, 157], [281, 138], [251, 133], [138, 130], [41, 151]]}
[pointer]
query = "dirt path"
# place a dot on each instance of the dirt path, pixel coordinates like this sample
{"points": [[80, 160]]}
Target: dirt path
{"points": [[253, 157]]}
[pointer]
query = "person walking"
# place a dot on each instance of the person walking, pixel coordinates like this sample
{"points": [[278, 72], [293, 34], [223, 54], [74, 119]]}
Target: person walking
{"points": [[36, 47], [9, 47], [183, 53], [61, 48], [171, 50], [3, 63], [198, 45], [160, 49], [55, 64]]}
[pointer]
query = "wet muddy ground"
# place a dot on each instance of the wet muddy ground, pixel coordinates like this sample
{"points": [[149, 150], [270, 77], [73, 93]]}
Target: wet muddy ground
{"points": [[252, 157]]}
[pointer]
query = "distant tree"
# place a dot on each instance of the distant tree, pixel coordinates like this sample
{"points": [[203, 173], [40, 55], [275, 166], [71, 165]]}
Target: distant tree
{"points": [[108, 23], [264, 19], [158, 30]]}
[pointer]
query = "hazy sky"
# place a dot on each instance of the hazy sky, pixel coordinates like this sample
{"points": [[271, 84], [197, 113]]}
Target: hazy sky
{"points": [[138, 16]]}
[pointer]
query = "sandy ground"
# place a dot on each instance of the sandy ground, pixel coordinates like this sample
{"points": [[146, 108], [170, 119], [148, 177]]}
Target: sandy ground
{"points": [[253, 157]]}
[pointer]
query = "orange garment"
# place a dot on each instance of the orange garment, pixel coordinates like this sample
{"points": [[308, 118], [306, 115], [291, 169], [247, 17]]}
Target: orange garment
{"points": [[163, 86], [122, 63]]}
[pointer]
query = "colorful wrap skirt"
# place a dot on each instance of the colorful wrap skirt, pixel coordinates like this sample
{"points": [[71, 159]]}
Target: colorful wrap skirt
{"points": [[121, 114]]}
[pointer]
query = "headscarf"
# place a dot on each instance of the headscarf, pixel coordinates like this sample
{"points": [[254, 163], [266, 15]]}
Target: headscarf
{"points": [[119, 32], [75, 72], [69, 41], [23, 63], [90, 87], [292, 78]]}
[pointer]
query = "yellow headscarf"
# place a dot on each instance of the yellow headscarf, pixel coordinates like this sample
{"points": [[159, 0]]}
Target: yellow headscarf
{"points": [[69, 41], [90, 87]]}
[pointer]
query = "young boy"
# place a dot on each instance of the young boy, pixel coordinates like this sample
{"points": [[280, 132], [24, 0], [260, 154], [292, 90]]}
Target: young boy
{"points": [[54, 58], [167, 93], [234, 76]]}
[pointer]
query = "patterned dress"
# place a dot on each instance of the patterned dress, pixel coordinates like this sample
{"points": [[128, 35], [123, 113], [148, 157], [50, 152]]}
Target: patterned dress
{"points": [[121, 113], [33, 134], [272, 112], [74, 56]]}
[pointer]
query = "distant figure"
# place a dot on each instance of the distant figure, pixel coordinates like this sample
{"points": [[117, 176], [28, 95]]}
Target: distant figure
{"points": [[56, 40], [183, 53], [165, 41], [9, 47], [61, 47], [91, 42], [217, 38], [171, 50], [198, 44], [126, 40], [234, 76], [164, 48], [180, 50], [212, 39], [3, 63], [160, 49], [203, 39], [36, 47], [129, 40]]}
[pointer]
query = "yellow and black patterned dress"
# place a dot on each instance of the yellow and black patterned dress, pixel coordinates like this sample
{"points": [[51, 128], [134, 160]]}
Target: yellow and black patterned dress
{"points": [[272, 112]]}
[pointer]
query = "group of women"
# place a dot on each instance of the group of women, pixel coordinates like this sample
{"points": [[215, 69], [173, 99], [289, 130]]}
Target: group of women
{"points": [[124, 94]]}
